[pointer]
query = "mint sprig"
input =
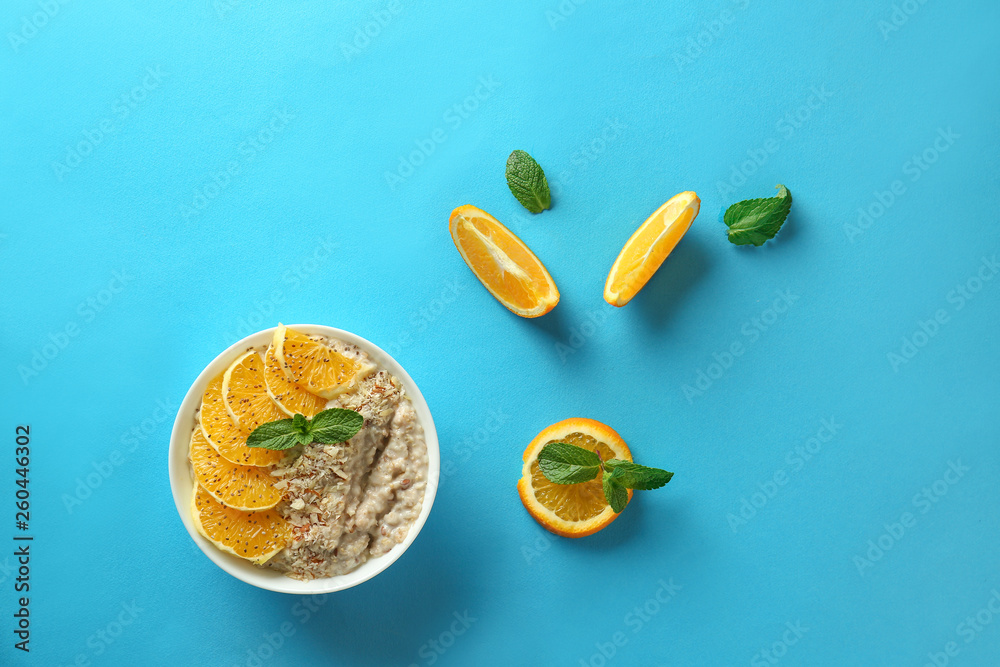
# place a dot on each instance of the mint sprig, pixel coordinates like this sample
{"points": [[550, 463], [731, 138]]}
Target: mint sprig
{"points": [[563, 463], [527, 183], [327, 427], [757, 220]]}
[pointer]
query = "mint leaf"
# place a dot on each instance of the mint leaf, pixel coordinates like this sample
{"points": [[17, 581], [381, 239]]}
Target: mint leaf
{"points": [[279, 434], [335, 425], [563, 463], [527, 183], [327, 427], [635, 476], [757, 220], [616, 494], [300, 423]]}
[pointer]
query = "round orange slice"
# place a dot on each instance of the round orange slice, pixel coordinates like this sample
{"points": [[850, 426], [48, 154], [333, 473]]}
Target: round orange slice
{"points": [[649, 246], [246, 488], [255, 536], [224, 435], [245, 394], [502, 262], [291, 398], [570, 510], [314, 366]]}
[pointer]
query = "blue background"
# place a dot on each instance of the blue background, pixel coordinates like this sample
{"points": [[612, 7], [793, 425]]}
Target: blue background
{"points": [[624, 104]]}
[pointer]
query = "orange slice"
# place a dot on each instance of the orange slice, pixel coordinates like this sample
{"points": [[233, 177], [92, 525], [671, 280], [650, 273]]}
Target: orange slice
{"points": [[224, 436], [255, 536], [245, 395], [570, 510], [314, 366], [290, 397], [501, 261], [649, 246], [245, 488]]}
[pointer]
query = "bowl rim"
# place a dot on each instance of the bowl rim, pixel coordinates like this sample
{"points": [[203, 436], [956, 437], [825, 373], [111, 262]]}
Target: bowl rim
{"points": [[182, 482]]}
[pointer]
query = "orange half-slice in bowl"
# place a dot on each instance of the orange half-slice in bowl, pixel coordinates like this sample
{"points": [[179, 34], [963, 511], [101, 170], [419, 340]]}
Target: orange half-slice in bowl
{"points": [[224, 435], [290, 397], [245, 395], [246, 488], [255, 536], [315, 366]]}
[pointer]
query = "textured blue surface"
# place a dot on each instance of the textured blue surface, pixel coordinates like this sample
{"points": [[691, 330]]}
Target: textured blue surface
{"points": [[119, 122]]}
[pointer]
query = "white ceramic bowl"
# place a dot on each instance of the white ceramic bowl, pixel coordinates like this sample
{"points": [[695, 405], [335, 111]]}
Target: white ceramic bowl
{"points": [[182, 484]]}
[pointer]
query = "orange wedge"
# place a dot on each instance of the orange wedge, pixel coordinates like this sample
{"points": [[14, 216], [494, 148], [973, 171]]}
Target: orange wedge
{"points": [[224, 435], [245, 395], [314, 366], [649, 246], [570, 510], [501, 261], [291, 398], [246, 488], [255, 536]]}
